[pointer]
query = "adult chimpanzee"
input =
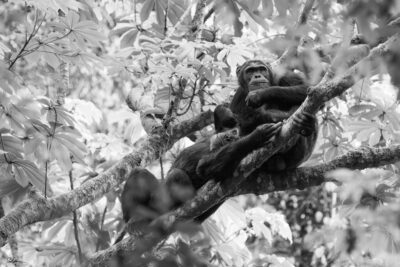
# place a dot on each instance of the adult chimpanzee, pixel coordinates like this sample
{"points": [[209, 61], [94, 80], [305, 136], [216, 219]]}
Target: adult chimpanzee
{"points": [[264, 98], [143, 198]]}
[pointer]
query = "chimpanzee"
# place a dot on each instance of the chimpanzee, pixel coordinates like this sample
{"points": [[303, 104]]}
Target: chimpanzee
{"points": [[143, 197], [264, 98]]}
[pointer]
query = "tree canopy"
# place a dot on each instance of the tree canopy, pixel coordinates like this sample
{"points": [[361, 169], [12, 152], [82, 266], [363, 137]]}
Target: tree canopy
{"points": [[92, 89]]}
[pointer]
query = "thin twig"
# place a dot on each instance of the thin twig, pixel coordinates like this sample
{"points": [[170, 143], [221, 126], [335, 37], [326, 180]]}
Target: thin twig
{"points": [[75, 222]]}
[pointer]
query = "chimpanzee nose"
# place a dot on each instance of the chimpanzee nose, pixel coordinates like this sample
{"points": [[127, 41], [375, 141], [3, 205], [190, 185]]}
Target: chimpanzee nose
{"points": [[257, 76]]}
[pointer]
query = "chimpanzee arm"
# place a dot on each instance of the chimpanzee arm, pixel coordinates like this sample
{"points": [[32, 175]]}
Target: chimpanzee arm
{"points": [[269, 115], [292, 95]]}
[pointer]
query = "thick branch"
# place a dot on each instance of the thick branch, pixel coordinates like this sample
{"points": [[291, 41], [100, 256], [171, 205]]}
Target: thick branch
{"points": [[41, 209], [261, 182], [212, 192], [198, 18], [316, 97]]}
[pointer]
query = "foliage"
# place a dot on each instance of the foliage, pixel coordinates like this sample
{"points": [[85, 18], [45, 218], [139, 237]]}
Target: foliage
{"points": [[67, 67]]}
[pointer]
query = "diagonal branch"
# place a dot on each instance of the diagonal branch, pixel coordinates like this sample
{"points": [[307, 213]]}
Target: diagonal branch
{"points": [[41, 209], [261, 182], [212, 192], [320, 94], [301, 21]]}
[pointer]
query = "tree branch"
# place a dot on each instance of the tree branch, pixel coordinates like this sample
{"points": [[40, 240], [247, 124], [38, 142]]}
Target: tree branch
{"points": [[302, 20], [261, 182], [212, 192], [41, 209]]}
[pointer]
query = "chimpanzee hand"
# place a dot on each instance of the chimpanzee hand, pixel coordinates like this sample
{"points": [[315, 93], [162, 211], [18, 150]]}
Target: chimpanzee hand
{"points": [[267, 131], [219, 164], [253, 99], [306, 123]]}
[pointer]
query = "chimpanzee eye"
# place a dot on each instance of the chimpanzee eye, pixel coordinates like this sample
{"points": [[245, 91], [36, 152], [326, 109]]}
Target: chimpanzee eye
{"points": [[262, 69], [250, 70]]}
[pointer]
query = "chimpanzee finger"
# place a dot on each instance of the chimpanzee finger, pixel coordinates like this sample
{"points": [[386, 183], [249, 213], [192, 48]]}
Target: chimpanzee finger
{"points": [[304, 119], [269, 130], [305, 129], [305, 122], [275, 128]]}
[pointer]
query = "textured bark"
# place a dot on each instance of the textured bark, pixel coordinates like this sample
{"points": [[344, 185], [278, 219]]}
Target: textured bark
{"points": [[41, 209], [212, 192], [261, 182], [197, 21]]}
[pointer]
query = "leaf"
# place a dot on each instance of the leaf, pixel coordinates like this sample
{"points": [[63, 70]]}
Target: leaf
{"points": [[186, 51], [146, 9], [121, 28], [74, 146], [268, 8], [20, 175], [176, 9], [356, 110], [128, 38], [61, 153], [374, 138], [185, 72], [88, 30], [277, 222], [331, 153], [33, 174], [8, 186], [282, 6], [213, 231], [236, 58], [160, 6], [11, 144], [162, 98], [8, 81], [254, 14]]}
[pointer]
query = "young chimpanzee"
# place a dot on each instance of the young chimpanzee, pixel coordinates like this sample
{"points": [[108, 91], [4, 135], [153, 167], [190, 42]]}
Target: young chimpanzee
{"points": [[143, 198], [264, 98]]}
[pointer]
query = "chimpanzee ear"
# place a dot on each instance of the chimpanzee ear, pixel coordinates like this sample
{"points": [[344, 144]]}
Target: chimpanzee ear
{"points": [[238, 69]]}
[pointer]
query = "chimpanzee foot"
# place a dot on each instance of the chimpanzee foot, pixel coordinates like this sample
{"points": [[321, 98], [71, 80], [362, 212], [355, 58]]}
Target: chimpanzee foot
{"points": [[305, 122]]}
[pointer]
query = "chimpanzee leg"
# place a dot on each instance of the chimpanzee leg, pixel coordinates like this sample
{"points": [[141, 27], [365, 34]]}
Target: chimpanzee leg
{"points": [[180, 187], [139, 196], [306, 122], [299, 148], [292, 158], [141, 200]]}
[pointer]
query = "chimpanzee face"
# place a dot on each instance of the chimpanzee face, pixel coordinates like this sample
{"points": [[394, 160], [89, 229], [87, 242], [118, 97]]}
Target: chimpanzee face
{"points": [[254, 75]]}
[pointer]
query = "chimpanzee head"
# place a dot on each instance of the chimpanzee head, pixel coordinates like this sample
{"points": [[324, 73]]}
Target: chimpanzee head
{"points": [[224, 119], [254, 75]]}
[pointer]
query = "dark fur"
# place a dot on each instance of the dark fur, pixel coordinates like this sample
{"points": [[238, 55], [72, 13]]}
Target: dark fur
{"points": [[143, 198], [276, 102]]}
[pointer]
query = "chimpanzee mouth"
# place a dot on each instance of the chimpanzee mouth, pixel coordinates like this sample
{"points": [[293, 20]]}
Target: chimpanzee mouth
{"points": [[259, 85]]}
